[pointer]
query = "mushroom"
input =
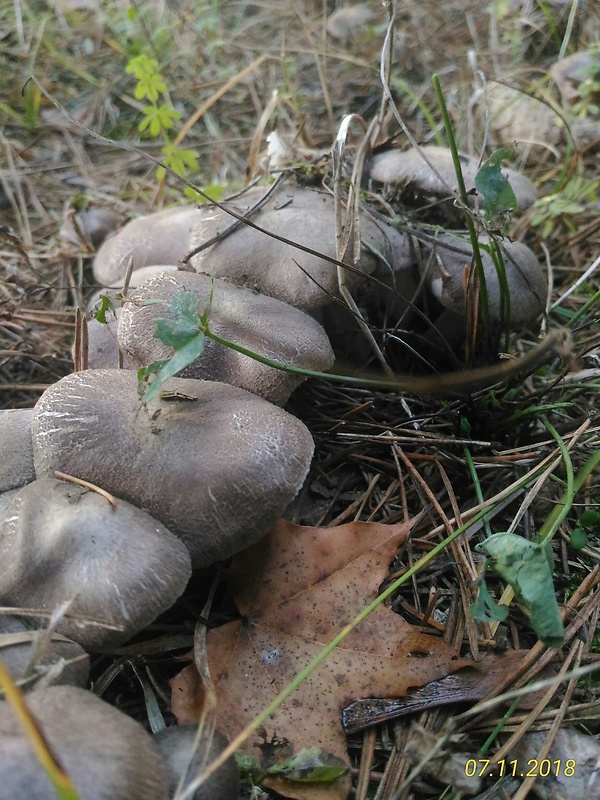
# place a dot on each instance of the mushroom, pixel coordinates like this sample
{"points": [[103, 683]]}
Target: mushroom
{"points": [[214, 463], [249, 258], [252, 259], [60, 541], [35, 656], [570, 72], [182, 757], [517, 117], [445, 261], [107, 755], [345, 22], [408, 168], [94, 225], [266, 326], [16, 452], [103, 351], [161, 238]]}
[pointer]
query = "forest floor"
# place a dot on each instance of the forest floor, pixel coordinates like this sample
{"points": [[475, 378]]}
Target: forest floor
{"points": [[237, 71]]}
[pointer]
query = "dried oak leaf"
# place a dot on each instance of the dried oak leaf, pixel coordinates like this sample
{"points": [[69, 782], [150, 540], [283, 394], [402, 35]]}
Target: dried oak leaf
{"points": [[296, 589]]}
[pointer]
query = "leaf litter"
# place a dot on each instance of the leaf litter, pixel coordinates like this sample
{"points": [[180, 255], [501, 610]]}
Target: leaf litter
{"points": [[295, 590]]}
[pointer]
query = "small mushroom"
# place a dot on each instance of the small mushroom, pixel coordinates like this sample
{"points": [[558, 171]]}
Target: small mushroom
{"points": [[214, 463], [570, 72], [107, 755], [33, 656], [161, 238], [90, 227], [177, 744], [517, 117], [407, 168], [16, 452], [266, 326], [445, 262], [60, 541], [345, 22]]}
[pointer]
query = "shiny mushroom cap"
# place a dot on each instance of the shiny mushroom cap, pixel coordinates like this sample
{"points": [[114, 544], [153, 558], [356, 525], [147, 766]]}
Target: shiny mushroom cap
{"points": [[60, 541], [216, 464], [107, 755], [266, 326]]}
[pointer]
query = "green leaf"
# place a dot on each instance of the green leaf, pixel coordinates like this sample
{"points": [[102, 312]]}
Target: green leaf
{"points": [[485, 608], [590, 519], [578, 539], [526, 567], [167, 369], [106, 305], [185, 324], [150, 87], [309, 765], [493, 184], [181, 161], [248, 765], [142, 66]]}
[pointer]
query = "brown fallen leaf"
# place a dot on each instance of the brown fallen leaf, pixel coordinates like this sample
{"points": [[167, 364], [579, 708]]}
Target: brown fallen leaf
{"points": [[296, 589]]}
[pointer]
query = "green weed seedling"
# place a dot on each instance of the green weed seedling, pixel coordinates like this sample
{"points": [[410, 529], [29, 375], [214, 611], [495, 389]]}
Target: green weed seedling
{"points": [[527, 567], [588, 524], [159, 116]]}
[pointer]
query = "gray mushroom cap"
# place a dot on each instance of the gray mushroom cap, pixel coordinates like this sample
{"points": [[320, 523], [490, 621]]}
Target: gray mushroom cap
{"points": [[444, 267], [214, 463], [266, 326], [407, 167], [103, 352], [16, 451], [160, 238], [31, 657], [249, 258], [60, 541], [176, 745], [107, 755]]}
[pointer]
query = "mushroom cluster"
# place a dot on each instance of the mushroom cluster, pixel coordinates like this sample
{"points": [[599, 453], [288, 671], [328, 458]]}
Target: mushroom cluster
{"points": [[107, 503]]}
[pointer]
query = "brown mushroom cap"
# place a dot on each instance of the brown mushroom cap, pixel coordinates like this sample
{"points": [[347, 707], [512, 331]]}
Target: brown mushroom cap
{"points": [[407, 167], [60, 661], [214, 463], [444, 265], [252, 259], [107, 755], [60, 541], [262, 324], [16, 451], [161, 238], [176, 745]]}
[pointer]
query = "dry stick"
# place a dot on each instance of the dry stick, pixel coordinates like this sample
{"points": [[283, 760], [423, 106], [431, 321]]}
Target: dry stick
{"points": [[86, 485]]}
